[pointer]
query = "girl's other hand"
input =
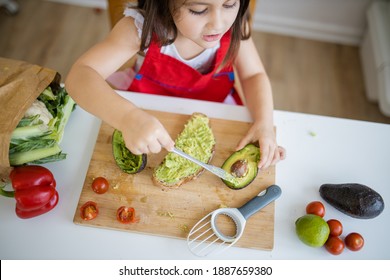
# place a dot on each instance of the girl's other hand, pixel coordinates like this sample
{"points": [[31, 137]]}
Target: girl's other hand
{"points": [[270, 152], [144, 134], [274, 156]]}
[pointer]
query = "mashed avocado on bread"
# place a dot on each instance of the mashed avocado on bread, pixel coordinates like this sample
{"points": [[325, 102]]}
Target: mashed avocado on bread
{"points": [[197, 140]]}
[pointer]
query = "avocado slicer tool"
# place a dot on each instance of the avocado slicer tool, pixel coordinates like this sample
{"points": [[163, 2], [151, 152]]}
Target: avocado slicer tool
{"points": [[206, 237]]}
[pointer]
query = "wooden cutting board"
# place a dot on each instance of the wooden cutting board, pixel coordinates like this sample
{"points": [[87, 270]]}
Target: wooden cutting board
{"points": [[173, 213]]}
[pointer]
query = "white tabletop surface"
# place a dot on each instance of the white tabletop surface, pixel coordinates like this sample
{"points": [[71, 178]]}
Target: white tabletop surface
{"points": [[341, 151]]}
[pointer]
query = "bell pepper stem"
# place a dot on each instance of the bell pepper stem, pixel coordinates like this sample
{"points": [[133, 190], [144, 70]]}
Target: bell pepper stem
{"points": [[4, 192]]}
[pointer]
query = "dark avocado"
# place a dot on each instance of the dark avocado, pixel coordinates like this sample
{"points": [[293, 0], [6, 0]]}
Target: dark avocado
{"points": [[125, 159], [243, 166], [355, 200]]}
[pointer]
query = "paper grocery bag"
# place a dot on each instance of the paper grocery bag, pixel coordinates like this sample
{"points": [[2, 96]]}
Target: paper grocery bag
{"points": [[20, 84]]}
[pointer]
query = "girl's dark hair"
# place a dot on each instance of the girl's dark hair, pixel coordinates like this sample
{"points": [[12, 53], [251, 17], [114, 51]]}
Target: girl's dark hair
{"points": [[159, 21]]}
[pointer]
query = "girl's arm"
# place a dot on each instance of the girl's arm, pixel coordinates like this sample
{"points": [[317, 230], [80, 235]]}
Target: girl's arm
{"points": [[258, 94], [86, 84]]}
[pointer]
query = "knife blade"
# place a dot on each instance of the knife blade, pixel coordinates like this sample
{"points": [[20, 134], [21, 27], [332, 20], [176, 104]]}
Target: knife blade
{"points": [[213, 169]]}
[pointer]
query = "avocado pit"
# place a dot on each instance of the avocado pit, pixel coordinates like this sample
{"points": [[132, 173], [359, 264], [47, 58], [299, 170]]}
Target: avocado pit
{"points": [[239, 168]]}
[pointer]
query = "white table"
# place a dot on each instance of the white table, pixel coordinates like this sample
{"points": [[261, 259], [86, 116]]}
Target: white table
{"points": [[341, 151]]}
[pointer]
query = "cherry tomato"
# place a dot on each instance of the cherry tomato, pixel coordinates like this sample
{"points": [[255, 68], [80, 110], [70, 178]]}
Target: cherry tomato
{"points": [[89, 210], [334, 245], [316, 208], [335, 227], [126, 215], [100, 185], [354, 241]]}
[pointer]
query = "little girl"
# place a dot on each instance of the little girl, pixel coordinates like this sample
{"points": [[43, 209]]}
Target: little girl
{"points": [[189, 48]]}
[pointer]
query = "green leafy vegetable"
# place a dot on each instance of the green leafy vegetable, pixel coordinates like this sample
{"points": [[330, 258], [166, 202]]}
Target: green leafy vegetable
{"points": [[38, 135]]}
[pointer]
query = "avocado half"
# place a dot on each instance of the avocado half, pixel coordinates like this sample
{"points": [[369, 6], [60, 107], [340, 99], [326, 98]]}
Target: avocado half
{"points": [[126, 160], [243, 166]]}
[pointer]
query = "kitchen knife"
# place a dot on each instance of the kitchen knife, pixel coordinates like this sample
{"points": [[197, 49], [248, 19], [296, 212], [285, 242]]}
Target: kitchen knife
{"points": [[213, 169]]}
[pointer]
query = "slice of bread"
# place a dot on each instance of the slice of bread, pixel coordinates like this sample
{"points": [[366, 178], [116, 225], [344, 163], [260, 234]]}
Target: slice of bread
{"points": [[196, 139]]}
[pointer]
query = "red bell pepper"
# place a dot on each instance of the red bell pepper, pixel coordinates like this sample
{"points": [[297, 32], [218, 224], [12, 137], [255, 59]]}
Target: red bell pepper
{"points": [[34, 190], [33, 213], [33, 198], [28, 176]]}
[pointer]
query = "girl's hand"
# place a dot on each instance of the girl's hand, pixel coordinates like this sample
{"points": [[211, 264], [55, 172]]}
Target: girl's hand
{"points": [[270, 152], [144, 134]]}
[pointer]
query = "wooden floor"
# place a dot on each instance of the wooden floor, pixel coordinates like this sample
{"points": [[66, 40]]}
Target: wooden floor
{"points": [[307, 76]]}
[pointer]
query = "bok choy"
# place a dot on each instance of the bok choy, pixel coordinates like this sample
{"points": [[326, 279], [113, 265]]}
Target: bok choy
{"points": [[37, 137]]}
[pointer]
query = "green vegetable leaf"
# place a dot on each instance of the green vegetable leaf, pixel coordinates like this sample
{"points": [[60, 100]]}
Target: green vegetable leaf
{"points": [[33, 155], [30, 121], [34, 142]]}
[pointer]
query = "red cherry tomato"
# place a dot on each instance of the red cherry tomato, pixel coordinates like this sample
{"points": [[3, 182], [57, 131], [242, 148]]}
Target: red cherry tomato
{"points": [[126, 215], [316, 208], [354, 241], [100, 185], [89, 210], [335, 227], [334, 245]]}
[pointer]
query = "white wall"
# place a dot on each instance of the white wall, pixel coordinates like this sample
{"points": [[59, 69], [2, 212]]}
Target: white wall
{"points": [[339, 21]]}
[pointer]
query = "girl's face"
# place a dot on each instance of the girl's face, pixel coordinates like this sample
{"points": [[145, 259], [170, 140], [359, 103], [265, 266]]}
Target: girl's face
{"points": [[204, 21]]}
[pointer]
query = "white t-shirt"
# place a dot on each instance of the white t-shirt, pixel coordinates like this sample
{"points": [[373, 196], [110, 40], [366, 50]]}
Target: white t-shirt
{"points": [[201, 62]]}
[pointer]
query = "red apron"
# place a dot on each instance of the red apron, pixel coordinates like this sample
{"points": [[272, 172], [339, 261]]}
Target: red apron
{"points": [[164, 75]]}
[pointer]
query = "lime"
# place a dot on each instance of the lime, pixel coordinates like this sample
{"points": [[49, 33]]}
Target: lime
{"points": [[312, 230]]}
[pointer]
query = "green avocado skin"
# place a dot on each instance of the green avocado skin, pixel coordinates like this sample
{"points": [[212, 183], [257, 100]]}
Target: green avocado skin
{"points": [[249, 153], [124, 158], [355, 200]]}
